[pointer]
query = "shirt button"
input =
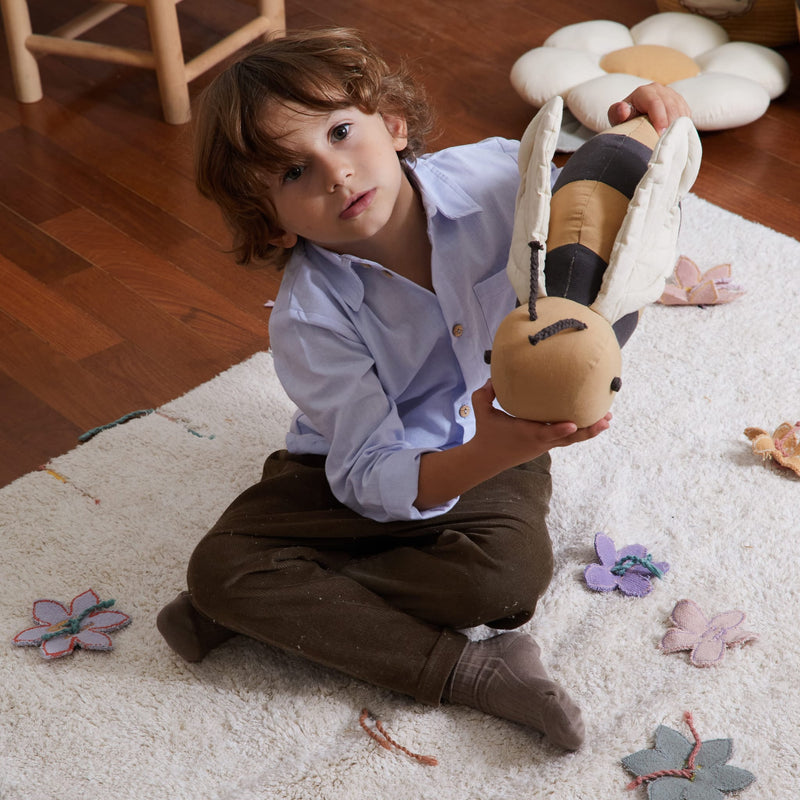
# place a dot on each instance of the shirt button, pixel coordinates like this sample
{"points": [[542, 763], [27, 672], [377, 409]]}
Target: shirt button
{"points": [[458, 329], [464, 411]]}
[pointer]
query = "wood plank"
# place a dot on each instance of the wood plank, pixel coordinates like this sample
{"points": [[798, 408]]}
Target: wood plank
{"points": [[145, 378], [30, 249], [72, 332], [181, 352], [28, 197], [88, 187], [149, 176], [72, 391], [32, 431], [159, 281]]}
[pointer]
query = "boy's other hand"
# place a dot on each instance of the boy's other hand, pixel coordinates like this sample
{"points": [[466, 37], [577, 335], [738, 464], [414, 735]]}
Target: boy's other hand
{"points": [[661, 103]]}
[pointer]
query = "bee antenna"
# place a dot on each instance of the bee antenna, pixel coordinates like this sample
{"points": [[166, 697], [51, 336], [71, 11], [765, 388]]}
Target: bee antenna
{"points": [[535, 248]]}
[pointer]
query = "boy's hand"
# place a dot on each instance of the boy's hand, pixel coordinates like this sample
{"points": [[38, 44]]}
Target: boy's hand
{"points": [[517, 440], [500, 442], [661, 103]]}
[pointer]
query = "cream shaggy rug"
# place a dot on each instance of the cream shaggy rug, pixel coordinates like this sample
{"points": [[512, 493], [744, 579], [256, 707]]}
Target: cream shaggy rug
{"points": [[121, 513]]}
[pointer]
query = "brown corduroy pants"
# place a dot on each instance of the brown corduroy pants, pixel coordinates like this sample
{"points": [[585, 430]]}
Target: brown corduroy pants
{"points": [[289, 565]]}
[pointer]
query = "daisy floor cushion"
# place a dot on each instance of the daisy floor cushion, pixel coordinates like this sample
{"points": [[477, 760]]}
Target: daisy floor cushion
{"points": [[596, 63]]}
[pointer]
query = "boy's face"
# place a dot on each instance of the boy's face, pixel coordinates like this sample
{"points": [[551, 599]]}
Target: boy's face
{"points": [[344, 186]]}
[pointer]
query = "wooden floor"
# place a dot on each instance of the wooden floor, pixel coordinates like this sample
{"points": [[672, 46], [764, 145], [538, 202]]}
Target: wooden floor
{"points": [[116, 291]]}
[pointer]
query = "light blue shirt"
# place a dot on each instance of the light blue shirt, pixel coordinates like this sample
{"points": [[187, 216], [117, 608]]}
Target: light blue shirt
{"points": [[381, 369]]}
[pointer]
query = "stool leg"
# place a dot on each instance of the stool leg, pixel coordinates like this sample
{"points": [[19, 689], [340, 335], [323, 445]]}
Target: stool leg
{"points": [[275, 11], [17, 21], [165, 38]]}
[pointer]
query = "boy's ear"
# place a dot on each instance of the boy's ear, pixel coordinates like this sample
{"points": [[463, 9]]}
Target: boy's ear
{"points": [[398, 128], [284, 239]]}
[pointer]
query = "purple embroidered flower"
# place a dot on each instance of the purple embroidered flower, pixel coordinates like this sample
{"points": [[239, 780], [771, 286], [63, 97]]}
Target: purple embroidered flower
{"points": [[706, 638], [84, 624], [630, 569]]}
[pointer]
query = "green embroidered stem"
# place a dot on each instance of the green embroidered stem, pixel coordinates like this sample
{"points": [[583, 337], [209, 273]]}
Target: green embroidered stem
{"points": [[626, 562], [72, 625]]}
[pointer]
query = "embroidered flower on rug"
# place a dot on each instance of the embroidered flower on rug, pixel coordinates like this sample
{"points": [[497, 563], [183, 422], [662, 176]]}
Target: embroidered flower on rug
{"points": [[630, 569], [706, 638], [783, 446], [677, 769], [688, 286], [84, 624]]}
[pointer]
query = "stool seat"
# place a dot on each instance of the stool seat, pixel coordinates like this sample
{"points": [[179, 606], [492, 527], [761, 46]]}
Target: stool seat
{"points": [[165, 56]]}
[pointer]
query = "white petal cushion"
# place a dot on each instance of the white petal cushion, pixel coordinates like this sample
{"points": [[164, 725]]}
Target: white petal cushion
{"points": [[721, 101], [754, 61], [689, 33], [589, 102], [546, 72], [598, 36]]}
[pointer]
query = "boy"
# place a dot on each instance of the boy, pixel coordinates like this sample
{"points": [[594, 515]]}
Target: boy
{"points": [[406, 507]]}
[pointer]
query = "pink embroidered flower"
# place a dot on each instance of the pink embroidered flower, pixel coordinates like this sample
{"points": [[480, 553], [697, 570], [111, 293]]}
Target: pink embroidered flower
{"points": [[689, 286], [706, 638], [85, 624]]}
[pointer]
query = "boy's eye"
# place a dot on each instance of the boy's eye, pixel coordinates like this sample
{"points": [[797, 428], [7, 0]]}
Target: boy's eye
{"points": [[292, 174], [340, 132]]}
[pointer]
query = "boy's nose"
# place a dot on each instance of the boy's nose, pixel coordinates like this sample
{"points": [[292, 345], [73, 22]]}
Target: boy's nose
{"points": [[337, 172]]}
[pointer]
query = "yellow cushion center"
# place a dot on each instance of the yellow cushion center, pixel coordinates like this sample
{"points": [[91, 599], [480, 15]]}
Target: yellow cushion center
{"points": [[651, 61]]}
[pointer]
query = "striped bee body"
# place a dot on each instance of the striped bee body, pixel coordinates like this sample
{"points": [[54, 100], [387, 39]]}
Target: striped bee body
{"points": [[589, 202]]}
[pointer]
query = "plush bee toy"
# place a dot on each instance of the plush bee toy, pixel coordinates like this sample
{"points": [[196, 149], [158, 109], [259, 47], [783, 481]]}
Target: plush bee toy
{"points": [[585, 259]]}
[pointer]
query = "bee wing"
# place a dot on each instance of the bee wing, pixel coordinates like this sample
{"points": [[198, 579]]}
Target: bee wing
{"points": [[645, 248], [532, 214]]}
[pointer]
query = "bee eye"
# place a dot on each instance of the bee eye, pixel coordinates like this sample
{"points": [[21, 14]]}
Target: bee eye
{"points": [[616, 384]]}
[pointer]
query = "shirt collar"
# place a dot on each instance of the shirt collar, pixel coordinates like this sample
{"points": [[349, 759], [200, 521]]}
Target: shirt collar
{"points": [[439, 193]]}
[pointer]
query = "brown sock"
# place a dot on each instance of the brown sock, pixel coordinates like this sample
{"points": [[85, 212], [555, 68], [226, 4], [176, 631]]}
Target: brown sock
{"points": [[188, 632], [504, 676]]}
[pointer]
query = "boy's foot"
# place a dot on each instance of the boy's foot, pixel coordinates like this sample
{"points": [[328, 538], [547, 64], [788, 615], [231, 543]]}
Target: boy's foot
{"points": [[190, 634], [504, 676]]}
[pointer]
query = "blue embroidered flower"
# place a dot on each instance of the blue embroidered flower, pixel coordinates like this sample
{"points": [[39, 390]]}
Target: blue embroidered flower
{"points": [[630, 569], [677, 769]]}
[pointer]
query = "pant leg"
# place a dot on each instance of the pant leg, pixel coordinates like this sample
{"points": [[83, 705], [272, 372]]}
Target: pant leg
{"points": [[276, 567], [486, 562]]}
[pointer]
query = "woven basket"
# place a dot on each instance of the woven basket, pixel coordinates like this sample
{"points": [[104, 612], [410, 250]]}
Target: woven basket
{"points": [[768, 22]]}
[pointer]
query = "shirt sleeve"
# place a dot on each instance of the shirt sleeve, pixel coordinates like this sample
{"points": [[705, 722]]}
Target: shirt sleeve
{"points": [[328, 372]]}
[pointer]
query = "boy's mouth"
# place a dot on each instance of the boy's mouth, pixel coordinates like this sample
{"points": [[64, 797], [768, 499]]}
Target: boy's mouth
{"points": [[358, 204]]}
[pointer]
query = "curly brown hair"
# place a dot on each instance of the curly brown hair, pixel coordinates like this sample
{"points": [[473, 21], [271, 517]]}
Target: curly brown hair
{"points": [[322, 70]]}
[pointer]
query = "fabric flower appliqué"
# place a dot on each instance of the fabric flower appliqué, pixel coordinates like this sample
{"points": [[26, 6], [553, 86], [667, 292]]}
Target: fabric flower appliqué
{"points": [[631, 569], [86, 624], [783, 446], [706, 638], [688, 286], [677, 769]]}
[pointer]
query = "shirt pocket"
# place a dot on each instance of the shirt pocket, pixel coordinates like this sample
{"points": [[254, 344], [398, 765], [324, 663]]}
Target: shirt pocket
{"points": [[496, 299]]}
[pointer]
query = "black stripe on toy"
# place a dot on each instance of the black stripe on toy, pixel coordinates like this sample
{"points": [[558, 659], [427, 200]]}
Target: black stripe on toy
{"points": [[576, 272], [619, 161]]}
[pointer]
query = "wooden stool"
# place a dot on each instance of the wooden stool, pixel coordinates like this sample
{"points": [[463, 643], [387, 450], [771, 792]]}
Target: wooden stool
{"points": [[165, 55]]}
